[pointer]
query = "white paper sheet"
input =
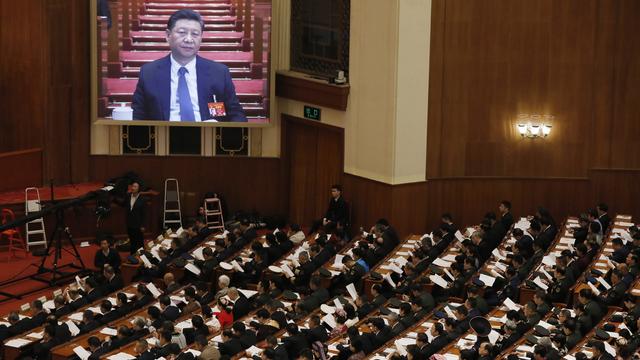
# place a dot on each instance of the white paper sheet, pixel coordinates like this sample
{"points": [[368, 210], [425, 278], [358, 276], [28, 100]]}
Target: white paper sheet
{"points": [[337, 303], [441, 263], [604, 283], [540, 284], [593, 288], [82, 353], [73, 328], [438, 280], [493, 336], [287, 270], [17, 343], [109, 331], [194, 269], [511, 305], [352, 291], [247, 293], [154, 290], [121, 356], [145, 261], [487, 280]]}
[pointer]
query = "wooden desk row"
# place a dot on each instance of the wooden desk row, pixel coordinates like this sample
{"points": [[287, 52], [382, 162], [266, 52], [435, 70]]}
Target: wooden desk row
{"points": [[601, 262]]}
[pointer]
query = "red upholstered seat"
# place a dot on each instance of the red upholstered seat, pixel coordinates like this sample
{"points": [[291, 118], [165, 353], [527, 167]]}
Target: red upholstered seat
{"points": [[13, 236]]}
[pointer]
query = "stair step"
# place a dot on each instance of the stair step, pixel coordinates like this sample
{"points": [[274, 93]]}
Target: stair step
{"points": [[208, 27], [203, 12], [208, 37], [233, 59], [158, 46], [208, 20], [196, 5]]}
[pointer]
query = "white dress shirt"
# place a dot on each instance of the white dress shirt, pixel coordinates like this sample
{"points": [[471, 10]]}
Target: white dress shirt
{"points": [[133, 201], [192, 83]]}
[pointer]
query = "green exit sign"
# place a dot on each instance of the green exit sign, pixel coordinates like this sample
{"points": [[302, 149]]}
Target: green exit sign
{"points": [[311, 113]]}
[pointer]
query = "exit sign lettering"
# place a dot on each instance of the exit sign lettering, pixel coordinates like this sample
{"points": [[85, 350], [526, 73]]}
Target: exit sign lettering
{"points": [[311, 112]]}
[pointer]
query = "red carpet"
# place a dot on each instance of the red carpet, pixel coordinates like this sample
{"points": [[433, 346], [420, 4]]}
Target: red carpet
{"points": [[22, 266]]}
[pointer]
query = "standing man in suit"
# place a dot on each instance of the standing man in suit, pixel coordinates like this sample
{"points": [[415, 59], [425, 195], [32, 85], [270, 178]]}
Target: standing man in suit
{"points": [[506, 218], [135, 217], [603, 217], [182, 85]]}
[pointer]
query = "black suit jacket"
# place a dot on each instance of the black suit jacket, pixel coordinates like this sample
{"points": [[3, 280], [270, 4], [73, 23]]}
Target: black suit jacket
{"points": [[21, 326], [114, 285], [318, 333], [338, 211], [135, 215], [147, 355], [230, 347], [168, 349], [241, 307], [436, 345], [248, 338], [295, 344], [171, 313]]}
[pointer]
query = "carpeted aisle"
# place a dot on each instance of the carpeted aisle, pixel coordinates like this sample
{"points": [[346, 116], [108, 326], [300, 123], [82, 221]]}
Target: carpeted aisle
{"points": [[20, 266]]}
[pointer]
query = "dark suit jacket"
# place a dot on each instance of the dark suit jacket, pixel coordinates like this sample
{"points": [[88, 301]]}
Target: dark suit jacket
{"points": [[78, 303], [86, 327], [147, 355], [248, 338], [231, 347], [151, 98], [114, 285], [318, 333], [314, 300], [241, 307], [507, 220], [264, 331], [338, 211], [21, 326], [135, 215], [436, 345], [168, 349], [112, 258], [110, 316], [171, 313], [295, 344]]}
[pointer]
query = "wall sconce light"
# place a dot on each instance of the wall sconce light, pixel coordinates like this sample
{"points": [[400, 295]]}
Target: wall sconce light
{"points": [[534, 126]]}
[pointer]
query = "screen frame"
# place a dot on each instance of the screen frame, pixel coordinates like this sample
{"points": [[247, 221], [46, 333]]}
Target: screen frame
{"points": [[95, 120]]}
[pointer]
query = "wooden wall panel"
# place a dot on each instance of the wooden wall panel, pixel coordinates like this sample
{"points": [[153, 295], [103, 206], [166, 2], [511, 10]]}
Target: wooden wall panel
{"points": [[22, 79], [618, 188], [245, 183], [44, 81], [313, 156], [491, 60], [625, 117], [370, 200], [21, 169]]}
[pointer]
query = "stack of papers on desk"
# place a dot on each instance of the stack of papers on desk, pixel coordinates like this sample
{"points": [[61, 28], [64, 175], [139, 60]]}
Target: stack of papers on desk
{"points": [[439, 280], [540, 284], [17, 343], [487, 280], [81, 352], [441, 263], [121, 356], [109, 331]]}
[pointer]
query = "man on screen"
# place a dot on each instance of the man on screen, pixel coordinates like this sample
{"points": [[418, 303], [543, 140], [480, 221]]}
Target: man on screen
{"points": [[183, 86]]}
